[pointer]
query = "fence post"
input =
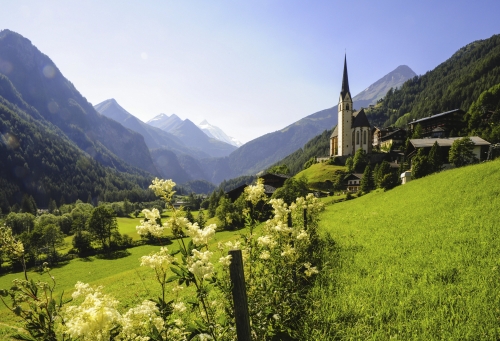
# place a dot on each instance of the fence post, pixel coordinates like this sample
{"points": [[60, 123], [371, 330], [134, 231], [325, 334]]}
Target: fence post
{"points": [[239, 296]]}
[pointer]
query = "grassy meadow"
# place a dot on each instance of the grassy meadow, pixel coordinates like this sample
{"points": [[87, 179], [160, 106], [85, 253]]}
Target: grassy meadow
{"points": [[320, 172], [419, 262]]}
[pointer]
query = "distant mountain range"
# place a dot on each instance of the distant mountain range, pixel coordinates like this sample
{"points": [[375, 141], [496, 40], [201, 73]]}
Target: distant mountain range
{"points": [[192, 136], [217, 133]]}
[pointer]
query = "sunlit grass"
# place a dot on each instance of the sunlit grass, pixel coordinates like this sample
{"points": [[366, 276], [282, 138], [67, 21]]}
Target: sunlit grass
{"points": [[419, 262]]}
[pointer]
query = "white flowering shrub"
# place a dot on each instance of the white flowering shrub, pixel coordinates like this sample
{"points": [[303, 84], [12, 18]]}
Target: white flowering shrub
{"points": [[280, 264]]}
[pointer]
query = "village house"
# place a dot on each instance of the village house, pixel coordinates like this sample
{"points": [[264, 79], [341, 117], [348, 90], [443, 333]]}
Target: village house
{"points": [[271, 183], [480, 150], [445, 124], [352, 183]]}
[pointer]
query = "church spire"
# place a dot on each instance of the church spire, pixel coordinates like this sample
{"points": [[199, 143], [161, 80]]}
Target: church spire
{"points": [[345, 81]]}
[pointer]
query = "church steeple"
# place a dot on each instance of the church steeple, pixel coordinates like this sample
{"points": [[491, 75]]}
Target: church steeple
{"points": [[345, 81]]}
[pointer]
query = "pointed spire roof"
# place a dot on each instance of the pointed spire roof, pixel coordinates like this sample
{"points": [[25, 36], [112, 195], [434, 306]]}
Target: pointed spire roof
{"points": [[345, 81]]}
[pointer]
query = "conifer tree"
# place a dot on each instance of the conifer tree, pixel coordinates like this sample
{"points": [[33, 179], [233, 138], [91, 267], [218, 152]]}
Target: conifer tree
{"points": [[367, 180], [435, 158]]}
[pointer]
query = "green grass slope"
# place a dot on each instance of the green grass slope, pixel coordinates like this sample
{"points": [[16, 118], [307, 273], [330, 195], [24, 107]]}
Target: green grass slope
{"points": [[419, 262]]}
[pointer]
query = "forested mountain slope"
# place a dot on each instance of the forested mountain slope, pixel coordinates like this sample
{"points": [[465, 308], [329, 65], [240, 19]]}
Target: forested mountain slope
{"points": [[37, 159], [42, 86], [454, 84]]}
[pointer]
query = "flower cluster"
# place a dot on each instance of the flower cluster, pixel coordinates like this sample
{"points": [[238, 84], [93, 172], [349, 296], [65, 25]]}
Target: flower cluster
{"points": [[149, 225], [200, 265], [158, 260], [200, 236], [163, 188], [138, 321], [256, 193], [95, 317]]}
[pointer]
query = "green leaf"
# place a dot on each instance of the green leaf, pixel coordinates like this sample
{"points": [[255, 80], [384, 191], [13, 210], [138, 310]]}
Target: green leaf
{"points": [[23, 337], [177, 271], [172, 278]]}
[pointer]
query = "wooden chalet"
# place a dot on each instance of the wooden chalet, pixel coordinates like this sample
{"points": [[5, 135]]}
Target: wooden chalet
{"points": [[352, 182], [271, 183], [440, 125]]}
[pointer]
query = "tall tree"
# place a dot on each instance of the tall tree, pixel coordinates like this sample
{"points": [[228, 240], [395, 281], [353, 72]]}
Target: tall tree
{"points": [[102, 224], [367, 180], [461, 152], [360, 160], [420, 165], [435, 158]]}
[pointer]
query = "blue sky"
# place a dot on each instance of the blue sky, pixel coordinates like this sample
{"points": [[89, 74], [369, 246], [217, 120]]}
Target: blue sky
{"points": [[249, 67]]}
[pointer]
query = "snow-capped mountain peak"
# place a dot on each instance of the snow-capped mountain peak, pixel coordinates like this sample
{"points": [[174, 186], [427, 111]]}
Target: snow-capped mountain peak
{"points": [[217, 133]]}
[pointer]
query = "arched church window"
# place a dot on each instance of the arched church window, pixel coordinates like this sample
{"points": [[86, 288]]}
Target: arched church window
{"points": [[347, 107], [357, 137], [364, 137]]}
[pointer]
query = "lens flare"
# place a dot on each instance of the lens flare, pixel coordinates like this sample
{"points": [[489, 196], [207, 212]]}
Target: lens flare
{"points": [[49, 71], [53, 107], [5, 67], [10, 140]]}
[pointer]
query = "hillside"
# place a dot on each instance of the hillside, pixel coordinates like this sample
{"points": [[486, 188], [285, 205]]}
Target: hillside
{"points": [[39, 160], [260, 153], [42, 86], [418, 262], [454, 84]]}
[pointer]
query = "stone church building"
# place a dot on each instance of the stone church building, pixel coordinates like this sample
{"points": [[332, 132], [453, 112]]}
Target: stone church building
{"points": [[353, 130]]}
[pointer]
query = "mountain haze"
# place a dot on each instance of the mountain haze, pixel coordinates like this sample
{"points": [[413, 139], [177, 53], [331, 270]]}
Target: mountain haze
{"points": [[192, 136], [154, 137], [42, 86]]}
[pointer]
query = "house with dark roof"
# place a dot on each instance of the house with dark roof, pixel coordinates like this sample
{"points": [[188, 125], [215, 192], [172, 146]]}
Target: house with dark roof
{"points": [[480, 150], [352, 183], [353, 130], [440, 125], [271, 183]]}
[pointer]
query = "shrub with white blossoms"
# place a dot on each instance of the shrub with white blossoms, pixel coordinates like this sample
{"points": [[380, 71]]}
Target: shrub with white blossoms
{"points": [[280, 265]]}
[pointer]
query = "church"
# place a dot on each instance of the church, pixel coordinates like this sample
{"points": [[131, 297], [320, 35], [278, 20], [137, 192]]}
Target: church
{"points": [[353, 130]]}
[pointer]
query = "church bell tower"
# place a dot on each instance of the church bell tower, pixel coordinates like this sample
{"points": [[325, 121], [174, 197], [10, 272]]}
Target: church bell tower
{"points": [[345, 111]]}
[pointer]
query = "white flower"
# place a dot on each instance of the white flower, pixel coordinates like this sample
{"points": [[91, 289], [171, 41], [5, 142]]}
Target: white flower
{"points": [[310, 270], [233, 245], [288, 252], [200, 236], [158, 260], [163, 188], [94, 318], [256, 193], [265, 255], [139, 320], [225, 261], [179, 307], [302, 235], [200, 265], [267, 241]]}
